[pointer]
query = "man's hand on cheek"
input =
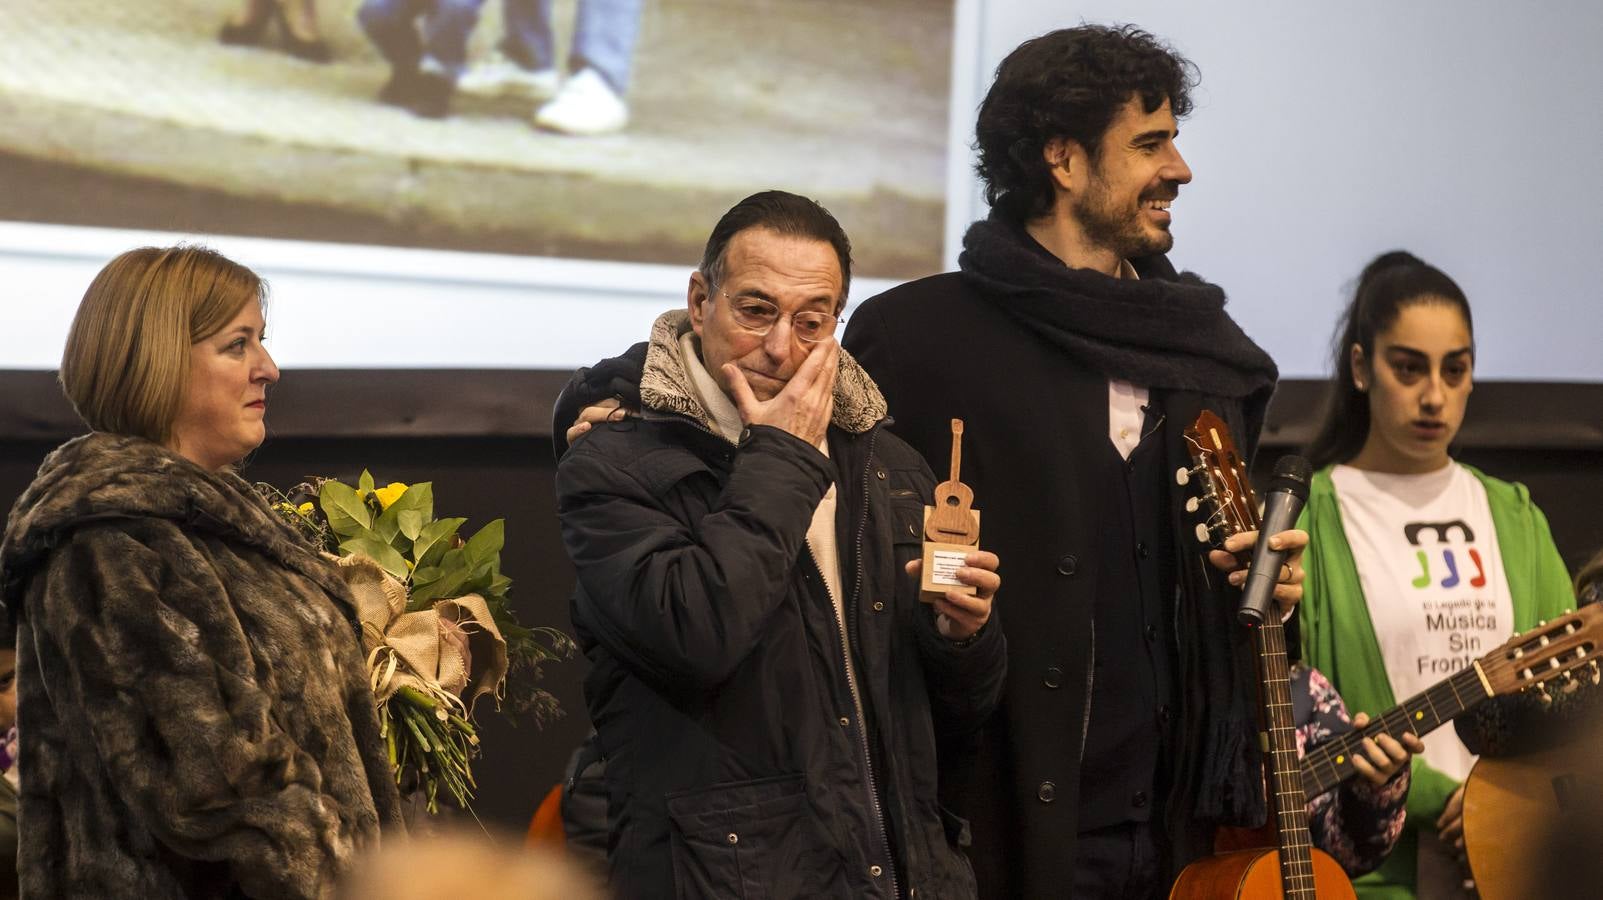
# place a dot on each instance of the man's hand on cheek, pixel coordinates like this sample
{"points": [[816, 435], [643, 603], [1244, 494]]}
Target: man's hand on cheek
{"points": [[805, 405]]}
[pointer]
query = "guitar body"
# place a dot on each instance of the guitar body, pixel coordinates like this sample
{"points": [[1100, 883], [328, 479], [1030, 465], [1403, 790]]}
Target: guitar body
{"points": [[1255, 875], [1513, 808]]}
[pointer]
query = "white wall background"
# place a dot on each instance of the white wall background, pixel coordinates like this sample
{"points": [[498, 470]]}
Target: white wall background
{"points": [[1468, 132]]}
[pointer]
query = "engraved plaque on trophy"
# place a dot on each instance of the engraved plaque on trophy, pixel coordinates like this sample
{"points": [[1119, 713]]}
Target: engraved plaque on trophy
{"points": [[951, 529]]}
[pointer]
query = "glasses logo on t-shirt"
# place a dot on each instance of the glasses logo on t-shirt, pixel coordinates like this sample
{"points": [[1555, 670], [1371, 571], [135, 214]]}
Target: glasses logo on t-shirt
{"points": [[1444, 534]]}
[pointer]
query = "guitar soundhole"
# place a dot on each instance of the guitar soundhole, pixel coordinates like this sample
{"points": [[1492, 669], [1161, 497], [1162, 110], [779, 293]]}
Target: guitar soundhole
{"points": [[951, 501]]}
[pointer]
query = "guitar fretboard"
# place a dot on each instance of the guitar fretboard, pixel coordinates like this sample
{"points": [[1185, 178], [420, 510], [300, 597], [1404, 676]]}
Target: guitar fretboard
{"points": [[1331, 763], [1290, 804]]}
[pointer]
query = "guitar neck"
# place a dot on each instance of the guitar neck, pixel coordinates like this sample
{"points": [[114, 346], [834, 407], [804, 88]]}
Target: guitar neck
{"points": [[1289, 803], [1331, 763], [957, 449]]}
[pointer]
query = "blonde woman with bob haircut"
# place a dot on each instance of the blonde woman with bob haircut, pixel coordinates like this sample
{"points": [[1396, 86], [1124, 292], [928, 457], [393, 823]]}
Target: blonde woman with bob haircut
{"points": [[194, 704]]}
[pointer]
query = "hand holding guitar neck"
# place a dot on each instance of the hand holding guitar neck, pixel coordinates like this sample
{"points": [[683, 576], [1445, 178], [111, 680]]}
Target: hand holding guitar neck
{"points": [[1288, 491], [1294, 868], [1233, 525]]}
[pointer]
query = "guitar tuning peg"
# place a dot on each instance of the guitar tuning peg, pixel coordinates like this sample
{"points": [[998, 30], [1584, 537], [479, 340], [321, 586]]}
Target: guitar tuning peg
{"points": [[1192, 504], [1182, 476], [1541, 692], [1597, 673], [1203, 534]]}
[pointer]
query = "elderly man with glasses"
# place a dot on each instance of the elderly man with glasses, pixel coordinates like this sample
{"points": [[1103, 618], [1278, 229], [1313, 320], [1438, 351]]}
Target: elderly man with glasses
{"points": [[768, 685]]}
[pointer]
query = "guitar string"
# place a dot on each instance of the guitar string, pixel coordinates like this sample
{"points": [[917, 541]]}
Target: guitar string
{"points": [[1345, 747], [1296, 864], [1237, 512]]}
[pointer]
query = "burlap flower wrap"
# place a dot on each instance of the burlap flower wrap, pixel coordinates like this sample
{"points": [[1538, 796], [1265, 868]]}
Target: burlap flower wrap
{"points": [[451, 651]]}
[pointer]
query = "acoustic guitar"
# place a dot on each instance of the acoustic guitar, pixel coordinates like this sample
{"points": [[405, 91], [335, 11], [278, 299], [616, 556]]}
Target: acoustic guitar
{"points": [[1533, 822], [1551, 650], [1293, 869]]}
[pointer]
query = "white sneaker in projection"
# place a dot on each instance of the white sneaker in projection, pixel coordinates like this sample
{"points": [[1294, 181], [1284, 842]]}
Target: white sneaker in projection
{"points": [[499, 76], [586, 105]]}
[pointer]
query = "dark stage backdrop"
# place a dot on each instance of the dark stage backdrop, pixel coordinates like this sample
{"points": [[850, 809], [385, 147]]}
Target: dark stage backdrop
{"points": [[483, 439]]}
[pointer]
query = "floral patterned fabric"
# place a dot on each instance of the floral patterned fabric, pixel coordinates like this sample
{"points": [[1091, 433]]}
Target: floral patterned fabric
{"points": [[1357, 823]]}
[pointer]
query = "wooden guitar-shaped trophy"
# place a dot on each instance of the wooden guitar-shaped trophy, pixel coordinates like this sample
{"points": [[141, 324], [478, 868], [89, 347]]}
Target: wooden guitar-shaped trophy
{"points": [[951, 529]]}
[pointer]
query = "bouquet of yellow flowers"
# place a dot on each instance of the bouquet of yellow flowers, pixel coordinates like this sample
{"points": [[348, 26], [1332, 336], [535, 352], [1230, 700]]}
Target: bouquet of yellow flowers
{"points": [[435, 622]]}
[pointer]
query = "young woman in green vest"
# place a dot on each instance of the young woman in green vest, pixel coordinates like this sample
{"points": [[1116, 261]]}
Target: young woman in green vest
{"points": [[1416, 564]]}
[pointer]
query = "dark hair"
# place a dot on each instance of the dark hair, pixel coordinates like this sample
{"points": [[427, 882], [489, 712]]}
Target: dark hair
{"points": [[1067, 84], [1389, 283], [784, 213], [1589, 581]]}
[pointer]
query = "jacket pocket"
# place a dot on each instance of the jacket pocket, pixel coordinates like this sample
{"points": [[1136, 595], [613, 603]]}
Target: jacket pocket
{"points": [[754, 839], [952, 875], [907, 518]]}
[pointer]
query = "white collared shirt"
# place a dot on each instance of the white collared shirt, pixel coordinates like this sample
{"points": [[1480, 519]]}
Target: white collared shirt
{"points": [[1126, 402]]}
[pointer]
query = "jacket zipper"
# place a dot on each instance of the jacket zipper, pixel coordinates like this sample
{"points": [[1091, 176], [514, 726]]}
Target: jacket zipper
{"points": [[851, 682], [889, 866]]}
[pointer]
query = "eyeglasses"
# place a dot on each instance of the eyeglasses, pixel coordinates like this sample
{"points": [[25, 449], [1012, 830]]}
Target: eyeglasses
{"points": [[759, 317]]}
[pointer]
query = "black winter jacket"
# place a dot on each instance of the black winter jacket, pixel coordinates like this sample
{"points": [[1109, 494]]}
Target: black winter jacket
{"points": [[736, 762]]}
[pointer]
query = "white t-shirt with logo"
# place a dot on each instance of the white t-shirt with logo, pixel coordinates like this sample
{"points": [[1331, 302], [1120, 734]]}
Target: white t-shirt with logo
{"points": [[1433, 580]]}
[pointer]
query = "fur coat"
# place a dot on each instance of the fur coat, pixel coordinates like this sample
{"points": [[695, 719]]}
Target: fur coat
{"points": [[193, 702]]}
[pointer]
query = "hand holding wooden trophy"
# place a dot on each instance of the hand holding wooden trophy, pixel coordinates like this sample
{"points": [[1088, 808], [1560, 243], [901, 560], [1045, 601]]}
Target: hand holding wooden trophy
{"points": [[951, 529]]}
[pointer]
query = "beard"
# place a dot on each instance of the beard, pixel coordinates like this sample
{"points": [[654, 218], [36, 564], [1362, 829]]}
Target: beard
{"points": [[1108, 223]]}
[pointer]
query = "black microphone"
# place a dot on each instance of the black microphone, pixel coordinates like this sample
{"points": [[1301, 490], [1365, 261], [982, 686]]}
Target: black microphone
{"points": [[1288, 491]]}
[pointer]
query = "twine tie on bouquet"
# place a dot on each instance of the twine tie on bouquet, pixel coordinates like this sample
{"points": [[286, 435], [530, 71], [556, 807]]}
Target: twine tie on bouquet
{"points": [[451, 651]]}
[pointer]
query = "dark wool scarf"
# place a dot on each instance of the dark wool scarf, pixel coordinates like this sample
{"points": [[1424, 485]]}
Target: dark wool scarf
{"points": [[1162, 331], [1168, 332]]}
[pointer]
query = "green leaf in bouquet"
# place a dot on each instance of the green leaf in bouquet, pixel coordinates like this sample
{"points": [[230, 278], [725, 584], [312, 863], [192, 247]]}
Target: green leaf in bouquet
{"points": [[433, 540], [388, 558], [487, 543], [365, 485], [405, 514], [388, 524], [479, 582], [425, 500], [414, 509], [344, 508], [499, 585], [453, 575]]}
